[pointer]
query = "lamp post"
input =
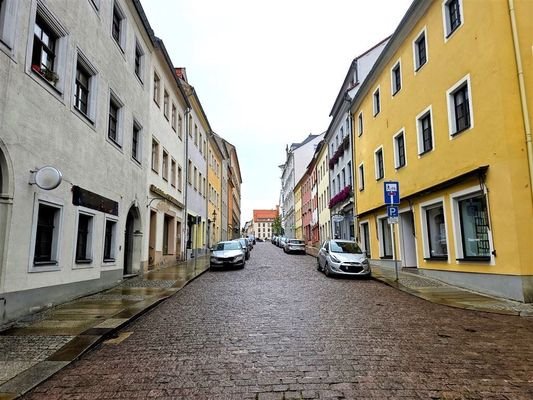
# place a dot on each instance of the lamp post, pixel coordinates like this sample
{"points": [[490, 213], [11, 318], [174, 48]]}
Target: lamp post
{"points": [[214, 220]]}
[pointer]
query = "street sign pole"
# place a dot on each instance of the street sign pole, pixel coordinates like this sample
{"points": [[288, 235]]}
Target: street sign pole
{"points": [[393, 232]]}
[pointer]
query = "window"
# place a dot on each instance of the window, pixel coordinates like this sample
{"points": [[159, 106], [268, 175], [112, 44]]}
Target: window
{"points": [[204, 187], [136, 142], [377, 102], [385, 239], [195, 135], [399, 150], [164, 172], [473, 230], [180, 126], [436, 246], [180, 177], [139, 61], [396, 78], [365, 238], [113, 126], [173, 118], [84, 239], [155, 156], [110, 240], [157, 88], [360, 123], [420, 50], [117, 26], [452, 16], [195, 179], [46, 250], [189, 173], [85, 88], [166, 104], [459, 107], [168, 233], [378, 161], [425, 132], [8, 13], [173, 172], [45, 50], [361, 176]]}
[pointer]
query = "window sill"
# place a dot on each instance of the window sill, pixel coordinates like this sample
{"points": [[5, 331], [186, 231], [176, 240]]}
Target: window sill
{"points": [[396, 92], [85, 261], [436, 258], [474, 259], [115, 144], [425, 152], [420, 67], [380, 178], [138, 162], [450, 34], [456, 133], [44, 263], [109, 260], [83, 116], [399, 167], [386, 258]]}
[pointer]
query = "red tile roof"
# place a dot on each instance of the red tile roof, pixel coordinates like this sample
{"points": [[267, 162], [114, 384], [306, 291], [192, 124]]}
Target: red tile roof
{"points": [[265, 215]]}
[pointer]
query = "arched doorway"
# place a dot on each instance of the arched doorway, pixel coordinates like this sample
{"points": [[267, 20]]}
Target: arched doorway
{"points": [[132, 242], [6, 203]]}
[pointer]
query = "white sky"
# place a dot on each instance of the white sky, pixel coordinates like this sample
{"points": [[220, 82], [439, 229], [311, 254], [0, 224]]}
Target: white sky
{"points": [[267, 72]]}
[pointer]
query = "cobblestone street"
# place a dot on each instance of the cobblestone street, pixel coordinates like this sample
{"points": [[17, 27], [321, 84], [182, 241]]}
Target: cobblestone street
{"points": [[279, 329]]}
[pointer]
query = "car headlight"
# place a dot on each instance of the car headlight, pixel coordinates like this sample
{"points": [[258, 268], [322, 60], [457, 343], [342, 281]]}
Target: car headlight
{"points": [[239, 257], [334, 259], [213, 259]]}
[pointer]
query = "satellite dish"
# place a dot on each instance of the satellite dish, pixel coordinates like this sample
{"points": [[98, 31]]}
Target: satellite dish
{"points": [[47, 178]]}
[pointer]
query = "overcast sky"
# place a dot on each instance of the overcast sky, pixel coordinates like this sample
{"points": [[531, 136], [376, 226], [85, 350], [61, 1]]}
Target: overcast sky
{"points": [[267, 72]]}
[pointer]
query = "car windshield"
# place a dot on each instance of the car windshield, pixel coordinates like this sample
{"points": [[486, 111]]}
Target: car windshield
{"points": [[345, 247], [243, 242], [228, 246], [296, 241]]}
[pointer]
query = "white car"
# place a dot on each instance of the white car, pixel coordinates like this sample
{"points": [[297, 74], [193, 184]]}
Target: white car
{"points": [[343, 257], [228, 254], [294, 246]]}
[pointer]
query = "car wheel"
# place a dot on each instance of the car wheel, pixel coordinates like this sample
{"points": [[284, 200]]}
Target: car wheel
{"points": [[326, 270], [318, 267]]}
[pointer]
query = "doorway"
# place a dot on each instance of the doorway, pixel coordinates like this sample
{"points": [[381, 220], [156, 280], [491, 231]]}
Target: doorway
{"points": [[407, 240], [152, 239], [132, 247]]}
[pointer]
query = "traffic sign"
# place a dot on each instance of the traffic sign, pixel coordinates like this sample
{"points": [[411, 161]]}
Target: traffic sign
{"points": [[391, 192], [393, 220], [392, 211]]}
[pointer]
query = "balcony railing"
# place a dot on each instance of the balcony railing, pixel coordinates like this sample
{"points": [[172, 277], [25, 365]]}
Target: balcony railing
{"points": [[345, 145], [341, 196]]}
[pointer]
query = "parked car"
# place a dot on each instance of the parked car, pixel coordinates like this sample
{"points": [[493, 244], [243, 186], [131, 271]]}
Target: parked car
{"points": [[228, 254], [343, 257], [274, 239], [281, 241], [246, 246], [294, 246]]}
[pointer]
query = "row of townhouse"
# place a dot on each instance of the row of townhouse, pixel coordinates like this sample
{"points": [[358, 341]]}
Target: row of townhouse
{"points": [[108, 164], [441, 107]]}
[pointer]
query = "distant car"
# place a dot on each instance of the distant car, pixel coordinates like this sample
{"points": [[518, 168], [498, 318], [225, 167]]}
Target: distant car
{"points": [[228, 254], [246, 246], [259, 240], [343, 257], [273, 239], [281, 241], [294, 246], [250, 242]]}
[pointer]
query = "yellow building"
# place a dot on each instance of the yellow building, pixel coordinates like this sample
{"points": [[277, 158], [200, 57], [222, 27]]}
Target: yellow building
{"points": [[214, 194], [298, 228], [441, 112], [322, 173]]}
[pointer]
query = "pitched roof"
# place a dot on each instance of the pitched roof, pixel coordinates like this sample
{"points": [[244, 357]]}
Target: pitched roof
{"points": [[261, 215]]}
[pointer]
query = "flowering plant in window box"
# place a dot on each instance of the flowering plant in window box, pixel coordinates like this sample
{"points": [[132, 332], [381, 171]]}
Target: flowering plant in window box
{"points": [[46, 73], [341, 196]]}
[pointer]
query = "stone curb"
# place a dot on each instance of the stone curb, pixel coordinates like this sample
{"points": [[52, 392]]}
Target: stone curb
{"points": [[44, 370]]}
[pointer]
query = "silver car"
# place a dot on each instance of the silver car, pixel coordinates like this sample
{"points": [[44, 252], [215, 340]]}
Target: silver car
{"points": [[294, 246], [343, 257], [228, 254], [246, 246]]}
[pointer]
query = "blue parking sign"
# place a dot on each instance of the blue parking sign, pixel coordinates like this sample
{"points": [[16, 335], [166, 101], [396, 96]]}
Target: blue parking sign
{"points": [[391, 192], [392, 211]]}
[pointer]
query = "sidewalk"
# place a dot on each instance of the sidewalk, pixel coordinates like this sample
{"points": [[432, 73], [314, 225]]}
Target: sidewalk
{"points": [[439, 292], [40, 345]]}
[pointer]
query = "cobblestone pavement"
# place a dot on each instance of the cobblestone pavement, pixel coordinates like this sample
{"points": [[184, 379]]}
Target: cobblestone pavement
{"points": [[279, 329]]}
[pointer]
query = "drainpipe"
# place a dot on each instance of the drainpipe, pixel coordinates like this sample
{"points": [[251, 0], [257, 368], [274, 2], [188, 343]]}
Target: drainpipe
{"points": [[186, 177], [522, 88]]}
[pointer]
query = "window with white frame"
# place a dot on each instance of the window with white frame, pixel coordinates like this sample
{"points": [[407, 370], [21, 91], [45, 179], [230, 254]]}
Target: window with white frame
{"points": [[118, 26], [378, 164], [166, 105], [173, 117], [136, 142], [396, 78], [8, 13], [155, 156], [365, 238], [189, 173], [114, 127], [472, 227], [110, 241], [399, 150], [460, 106], [435, 240], [173, 172], [180, 178], [385, 238], [360, 123], [453, 16], [180, 126], [420, 50], [85, 88], [195, 179], [47, 232], [157, 88], [84, 238], [424, 128], [48, 48], [361, 177], [376, 102], [139, 61], [164, 165]]}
